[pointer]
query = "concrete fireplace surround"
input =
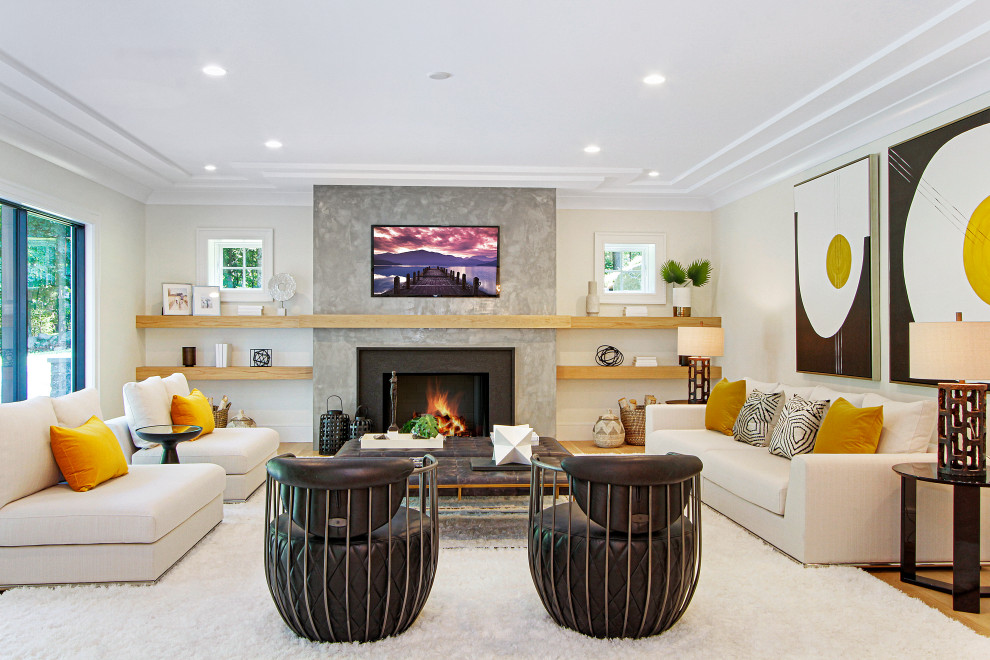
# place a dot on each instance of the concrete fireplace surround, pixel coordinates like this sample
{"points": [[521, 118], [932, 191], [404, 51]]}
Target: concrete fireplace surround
{"points": [[342, 220]]}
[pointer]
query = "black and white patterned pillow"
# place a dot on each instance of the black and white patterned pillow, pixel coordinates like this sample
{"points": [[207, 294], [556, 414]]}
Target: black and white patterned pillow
{"points": [[757, 416], [798, 426]]}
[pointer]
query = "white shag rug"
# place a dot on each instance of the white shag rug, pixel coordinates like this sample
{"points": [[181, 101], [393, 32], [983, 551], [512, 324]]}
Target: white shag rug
{"points": [[751, 602]]}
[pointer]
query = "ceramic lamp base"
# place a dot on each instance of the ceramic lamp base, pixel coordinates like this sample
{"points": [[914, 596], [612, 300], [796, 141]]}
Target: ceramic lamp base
{"points": [[962, 438]]}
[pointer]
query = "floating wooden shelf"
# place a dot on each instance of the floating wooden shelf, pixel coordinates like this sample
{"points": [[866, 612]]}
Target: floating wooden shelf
{"points": [[642, 322], [230, 373], [628, 373], [549, 321]]}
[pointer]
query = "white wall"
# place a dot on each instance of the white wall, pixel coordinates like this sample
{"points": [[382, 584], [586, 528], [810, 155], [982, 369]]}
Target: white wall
{"points": [[170, 256], [115, 264], [753, 241], [580, 402]]}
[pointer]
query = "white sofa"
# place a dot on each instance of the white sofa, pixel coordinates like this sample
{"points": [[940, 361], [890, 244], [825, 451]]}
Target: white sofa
{"points": [[129, 529], [817, 508], [242, 453]]}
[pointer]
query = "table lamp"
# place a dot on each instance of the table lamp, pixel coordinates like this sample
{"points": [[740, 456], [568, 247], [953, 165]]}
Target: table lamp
{"points": [[700, 344], [956, 351]]}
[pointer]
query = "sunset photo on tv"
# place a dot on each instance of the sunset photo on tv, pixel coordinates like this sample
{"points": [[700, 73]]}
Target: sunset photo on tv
{"points": [[434, 262]]}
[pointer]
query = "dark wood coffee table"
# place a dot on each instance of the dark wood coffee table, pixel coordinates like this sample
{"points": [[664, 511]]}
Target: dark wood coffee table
{"points": [[454, 471]]}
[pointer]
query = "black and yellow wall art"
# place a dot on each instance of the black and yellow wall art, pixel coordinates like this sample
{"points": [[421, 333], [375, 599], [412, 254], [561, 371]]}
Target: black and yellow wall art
{"points": [[835, 225], [939, 222]]}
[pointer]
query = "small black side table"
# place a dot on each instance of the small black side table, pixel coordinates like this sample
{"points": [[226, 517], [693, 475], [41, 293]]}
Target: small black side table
{"points": [[168, 436], [965, 587]]}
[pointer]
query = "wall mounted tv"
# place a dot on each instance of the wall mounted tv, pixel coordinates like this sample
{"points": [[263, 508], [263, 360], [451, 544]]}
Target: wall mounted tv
{"points": [[434, 262]]}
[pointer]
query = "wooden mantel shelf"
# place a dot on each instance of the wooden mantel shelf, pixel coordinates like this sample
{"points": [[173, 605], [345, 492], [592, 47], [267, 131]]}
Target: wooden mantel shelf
{"points": [[229, 373], [552, 322], [628, 373]]}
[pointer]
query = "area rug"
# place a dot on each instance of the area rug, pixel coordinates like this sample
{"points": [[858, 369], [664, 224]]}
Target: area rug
{"points": [[751, 602]]}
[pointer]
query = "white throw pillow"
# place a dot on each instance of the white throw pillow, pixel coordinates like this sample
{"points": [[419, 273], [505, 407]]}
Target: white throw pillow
{"points": [[175, 385], [822, 393], [790, 392], [75, 409], [907, 427], [146, 404], [767, 388], [26, 447]]}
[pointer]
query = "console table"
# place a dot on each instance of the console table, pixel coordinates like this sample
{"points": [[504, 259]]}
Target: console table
{"points": [[965, 586], [454, 471]]}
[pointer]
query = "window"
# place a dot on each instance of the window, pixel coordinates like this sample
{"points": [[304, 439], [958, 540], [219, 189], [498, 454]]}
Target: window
{"points": [[42, 318], [239, 261], [626, 268]]}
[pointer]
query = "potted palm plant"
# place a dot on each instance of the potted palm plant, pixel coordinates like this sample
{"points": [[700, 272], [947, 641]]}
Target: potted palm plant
{"points": [[682, 279]]}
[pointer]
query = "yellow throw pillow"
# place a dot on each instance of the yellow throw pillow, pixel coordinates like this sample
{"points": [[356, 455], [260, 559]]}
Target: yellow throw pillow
{"points": [[847, 429], [724, 404], [87, 455], [194, 410]]}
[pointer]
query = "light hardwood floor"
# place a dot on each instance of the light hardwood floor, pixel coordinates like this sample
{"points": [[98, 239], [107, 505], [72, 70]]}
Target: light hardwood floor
{"points": [[942, 602]]}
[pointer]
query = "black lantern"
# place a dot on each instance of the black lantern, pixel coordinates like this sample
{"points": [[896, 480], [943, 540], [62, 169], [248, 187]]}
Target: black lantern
{"points": [[361, 424], [335, 427]]}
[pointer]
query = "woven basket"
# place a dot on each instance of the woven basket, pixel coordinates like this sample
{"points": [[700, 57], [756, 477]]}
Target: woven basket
{"points": [[220, 418], [634, 421]]}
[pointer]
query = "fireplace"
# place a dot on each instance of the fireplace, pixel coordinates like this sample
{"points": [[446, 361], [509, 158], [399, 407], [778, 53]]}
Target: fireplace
{"points": [[467, 389]]}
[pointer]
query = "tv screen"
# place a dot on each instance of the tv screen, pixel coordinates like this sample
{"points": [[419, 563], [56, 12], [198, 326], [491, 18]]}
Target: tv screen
{"points": [[434, 262]]}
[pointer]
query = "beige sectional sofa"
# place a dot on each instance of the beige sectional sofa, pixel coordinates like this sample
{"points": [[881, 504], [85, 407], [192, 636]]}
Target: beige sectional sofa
{"points": [[241, 452], [129, 529], [819, 508]]}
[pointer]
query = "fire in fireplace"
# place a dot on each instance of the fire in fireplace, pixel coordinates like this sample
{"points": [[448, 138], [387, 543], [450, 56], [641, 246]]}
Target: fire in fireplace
{"points": [[457, 401]]}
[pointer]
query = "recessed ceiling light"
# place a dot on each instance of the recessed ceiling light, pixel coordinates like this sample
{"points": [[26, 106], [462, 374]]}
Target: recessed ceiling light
{"points": [[441, 75], [654, 79], [210, 168], [592, 149], [214, 70], [653, 173], [273, 144]]}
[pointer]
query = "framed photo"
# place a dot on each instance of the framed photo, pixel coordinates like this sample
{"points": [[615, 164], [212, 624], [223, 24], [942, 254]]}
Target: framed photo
{"points": [[435, 261], [176, 299], [206, 301], [836, 217], [938, 224]]}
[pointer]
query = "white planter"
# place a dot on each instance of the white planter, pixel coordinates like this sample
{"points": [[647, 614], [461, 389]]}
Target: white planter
{"points": [[682, 300]]}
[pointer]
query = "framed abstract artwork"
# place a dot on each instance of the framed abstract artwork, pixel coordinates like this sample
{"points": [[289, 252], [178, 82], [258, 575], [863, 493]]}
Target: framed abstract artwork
{"points": [[836, 218], [939, 197]]}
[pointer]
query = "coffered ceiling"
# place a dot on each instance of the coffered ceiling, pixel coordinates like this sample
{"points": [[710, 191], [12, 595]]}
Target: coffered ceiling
{"points": [[754, 91]]}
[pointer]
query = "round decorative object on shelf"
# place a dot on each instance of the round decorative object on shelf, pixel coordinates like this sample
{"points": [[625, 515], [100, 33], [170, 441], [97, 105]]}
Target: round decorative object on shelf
{"points": [[608, 356], [281, 287], [609, 432]]}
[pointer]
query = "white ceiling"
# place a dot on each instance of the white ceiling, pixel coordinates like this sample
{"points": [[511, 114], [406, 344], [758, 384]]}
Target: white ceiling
{"points": [[755, 91]]}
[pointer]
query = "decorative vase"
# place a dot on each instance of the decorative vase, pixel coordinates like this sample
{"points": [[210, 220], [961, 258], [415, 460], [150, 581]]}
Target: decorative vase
{"points": [[682, 300], [609, 432], [188, 356], [593, 302]]}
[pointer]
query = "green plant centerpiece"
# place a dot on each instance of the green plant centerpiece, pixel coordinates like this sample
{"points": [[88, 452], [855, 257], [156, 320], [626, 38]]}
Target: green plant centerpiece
{"points": [[422, 427], [674, 273]]}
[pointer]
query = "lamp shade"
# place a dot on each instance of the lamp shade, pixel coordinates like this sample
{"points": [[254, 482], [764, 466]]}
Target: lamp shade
{"points": [[700, 342], [955, 350]]}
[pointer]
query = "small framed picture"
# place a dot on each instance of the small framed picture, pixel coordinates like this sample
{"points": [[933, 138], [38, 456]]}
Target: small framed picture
{"points": [[206, 301], [177, 299], [261, 357]]}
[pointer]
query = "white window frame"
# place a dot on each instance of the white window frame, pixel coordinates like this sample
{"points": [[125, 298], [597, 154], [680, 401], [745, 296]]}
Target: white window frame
{"points": [[655, 248], [209, 266]]}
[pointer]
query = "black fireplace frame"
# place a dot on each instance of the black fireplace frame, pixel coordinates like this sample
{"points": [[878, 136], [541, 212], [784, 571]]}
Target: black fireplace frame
{"points": [[497, 362]]}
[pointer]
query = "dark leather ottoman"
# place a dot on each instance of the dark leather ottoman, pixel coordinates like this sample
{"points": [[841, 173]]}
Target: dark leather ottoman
{"points": [[454, 471]]}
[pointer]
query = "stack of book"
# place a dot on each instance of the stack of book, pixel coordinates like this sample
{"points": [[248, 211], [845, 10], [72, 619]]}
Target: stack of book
{"points": [[249, 310], [635, 310], [645, 361], [223, 358]]}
